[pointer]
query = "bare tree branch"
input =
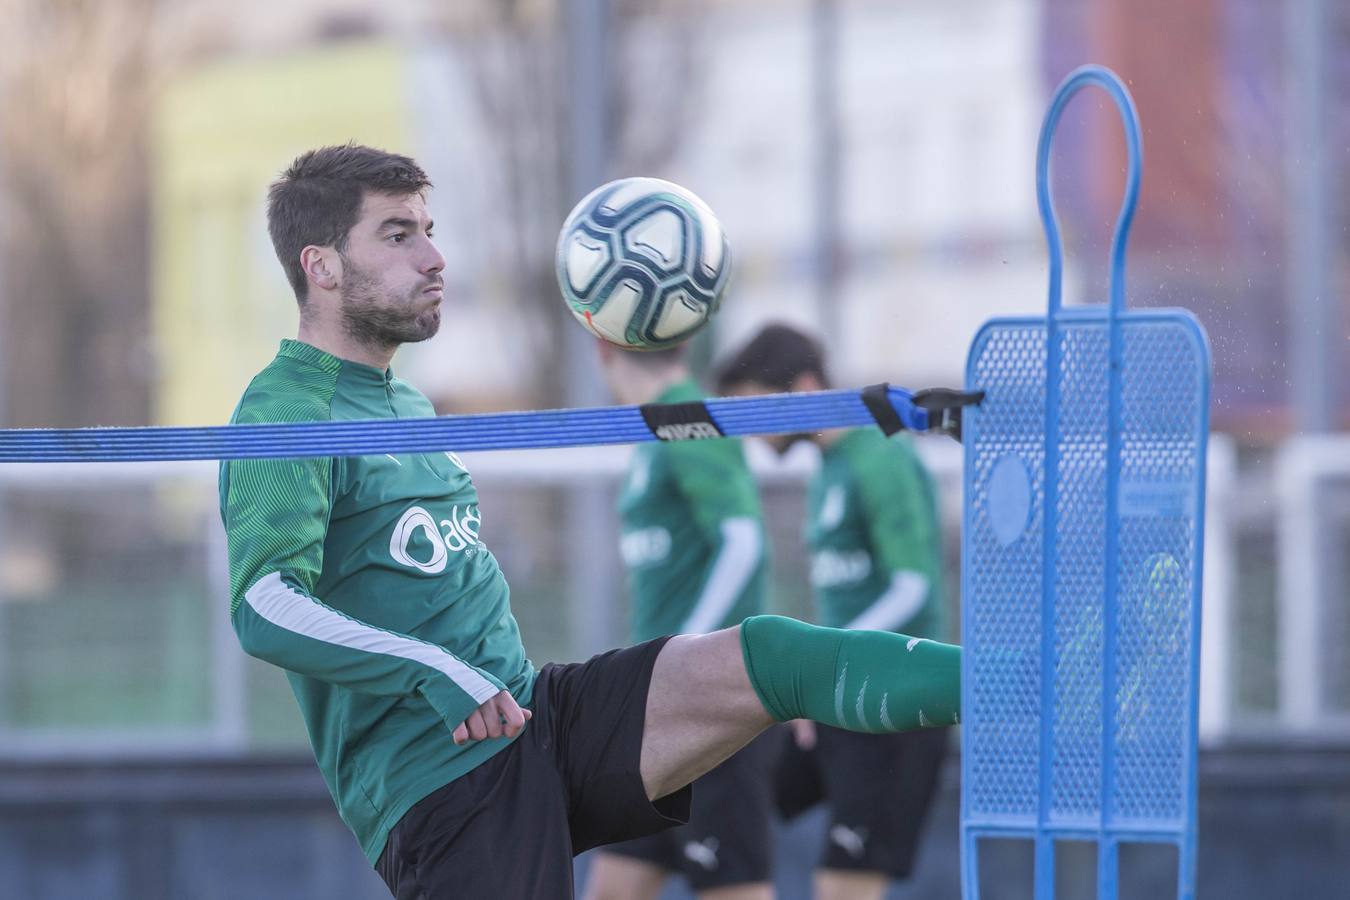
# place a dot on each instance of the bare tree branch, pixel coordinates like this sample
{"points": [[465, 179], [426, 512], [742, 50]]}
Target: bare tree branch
{"points": [[76, 79], [523, 92]]}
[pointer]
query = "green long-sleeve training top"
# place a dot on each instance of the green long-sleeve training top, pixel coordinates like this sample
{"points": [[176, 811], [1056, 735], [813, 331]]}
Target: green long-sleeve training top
{"points": [[365, 579]]}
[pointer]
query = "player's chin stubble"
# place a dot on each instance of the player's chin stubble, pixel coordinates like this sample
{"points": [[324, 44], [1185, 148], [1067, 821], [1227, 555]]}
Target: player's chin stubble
{"points": [[373, 321]]}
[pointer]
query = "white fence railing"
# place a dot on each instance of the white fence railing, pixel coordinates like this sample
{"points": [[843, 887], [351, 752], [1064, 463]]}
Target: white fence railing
{"points": [[1312, 483], [1310, 608]]}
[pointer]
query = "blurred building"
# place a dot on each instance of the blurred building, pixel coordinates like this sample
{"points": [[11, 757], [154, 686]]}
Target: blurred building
{"points": [[1215, 84], [937, 224], [937, 112], [224, 132]]}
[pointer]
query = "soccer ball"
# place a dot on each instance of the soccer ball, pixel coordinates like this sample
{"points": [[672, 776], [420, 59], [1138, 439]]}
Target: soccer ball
{"points": [[642, 263]]}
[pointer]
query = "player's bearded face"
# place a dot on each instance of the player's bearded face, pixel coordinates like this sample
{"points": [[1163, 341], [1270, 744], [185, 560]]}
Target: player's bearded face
{"points": [[378, 314]]}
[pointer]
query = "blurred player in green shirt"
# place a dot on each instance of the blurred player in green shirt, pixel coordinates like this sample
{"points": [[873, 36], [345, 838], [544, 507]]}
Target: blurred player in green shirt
{"points": [[693, 547], [876, 563]]}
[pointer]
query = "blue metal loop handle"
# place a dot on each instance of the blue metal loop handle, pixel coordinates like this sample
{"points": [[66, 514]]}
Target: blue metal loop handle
{"points": [[1111, 83], [1054, 370]]}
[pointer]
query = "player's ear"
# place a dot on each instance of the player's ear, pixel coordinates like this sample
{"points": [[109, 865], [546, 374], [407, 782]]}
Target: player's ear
{"points": [[322, 266]]}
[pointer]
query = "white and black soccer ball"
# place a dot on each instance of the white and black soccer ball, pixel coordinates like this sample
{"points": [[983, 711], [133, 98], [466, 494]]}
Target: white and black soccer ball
{"points": [[642, 263]]}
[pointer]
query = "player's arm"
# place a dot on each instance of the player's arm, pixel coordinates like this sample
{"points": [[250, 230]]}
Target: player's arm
{"points": [[900, 530], [713, 478], [276, 516]]}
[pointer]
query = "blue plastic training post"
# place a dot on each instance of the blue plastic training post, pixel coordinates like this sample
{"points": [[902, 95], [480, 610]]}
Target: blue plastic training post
{"points": [[1082, 552], [891, 407]]}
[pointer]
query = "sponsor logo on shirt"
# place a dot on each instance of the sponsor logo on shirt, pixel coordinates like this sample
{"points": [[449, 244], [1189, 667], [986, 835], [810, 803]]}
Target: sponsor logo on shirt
{"points": [[644, 546], [833, 568], [640, 475], [832, 508], [456, 534]]}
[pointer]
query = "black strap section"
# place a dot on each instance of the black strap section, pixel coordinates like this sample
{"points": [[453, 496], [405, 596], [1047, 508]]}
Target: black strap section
{"points": [[679, 421], [944, 407], [876, 398]]}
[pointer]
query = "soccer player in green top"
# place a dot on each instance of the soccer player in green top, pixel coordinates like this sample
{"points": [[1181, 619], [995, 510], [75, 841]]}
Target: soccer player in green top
{"points": [[693, 544], [876, 563], [462, 770]]}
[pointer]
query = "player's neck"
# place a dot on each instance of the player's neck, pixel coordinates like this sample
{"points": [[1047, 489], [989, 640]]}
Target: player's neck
{"points": [[648, 385], [344, 347], [829, 437]]}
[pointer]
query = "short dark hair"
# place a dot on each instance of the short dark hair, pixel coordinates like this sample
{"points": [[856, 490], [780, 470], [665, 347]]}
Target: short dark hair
{"points": [[318, 200], [774, 358]]}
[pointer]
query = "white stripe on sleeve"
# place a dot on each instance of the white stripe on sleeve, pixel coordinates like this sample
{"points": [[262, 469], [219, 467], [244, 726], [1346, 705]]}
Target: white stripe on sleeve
{"points": [[897, 606], [742, 550], [287, 608]]}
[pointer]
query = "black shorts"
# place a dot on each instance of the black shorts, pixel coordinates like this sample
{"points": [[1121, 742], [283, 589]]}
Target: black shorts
{"points": [[569, 782], [879, 788], [729, 838]]}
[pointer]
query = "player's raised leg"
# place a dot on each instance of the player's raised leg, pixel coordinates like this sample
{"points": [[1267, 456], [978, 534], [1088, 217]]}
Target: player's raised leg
{"points": [[711, 694]]}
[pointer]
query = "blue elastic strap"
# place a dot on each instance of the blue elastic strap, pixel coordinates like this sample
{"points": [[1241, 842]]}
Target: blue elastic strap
{"points": [[774, 414]]}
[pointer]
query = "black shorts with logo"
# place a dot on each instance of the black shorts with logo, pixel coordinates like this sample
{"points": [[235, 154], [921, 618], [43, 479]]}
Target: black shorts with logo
{"points": [[729, 838], [879, 788], [569, 782]]}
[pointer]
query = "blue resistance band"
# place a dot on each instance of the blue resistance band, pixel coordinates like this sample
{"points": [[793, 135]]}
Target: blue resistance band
{"points": [[891, 408]]}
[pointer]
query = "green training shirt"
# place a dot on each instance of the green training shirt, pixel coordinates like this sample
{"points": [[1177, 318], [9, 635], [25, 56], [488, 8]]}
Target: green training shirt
{"points": [[693, 534], [872, 528], [365, 580]]}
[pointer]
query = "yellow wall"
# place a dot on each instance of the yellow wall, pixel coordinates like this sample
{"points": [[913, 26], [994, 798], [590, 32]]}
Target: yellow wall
{"points": [[221, 303]]}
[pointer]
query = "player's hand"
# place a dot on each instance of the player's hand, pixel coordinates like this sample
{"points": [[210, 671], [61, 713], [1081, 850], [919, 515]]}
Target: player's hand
{"points": [[500, 716], [804, 733]]}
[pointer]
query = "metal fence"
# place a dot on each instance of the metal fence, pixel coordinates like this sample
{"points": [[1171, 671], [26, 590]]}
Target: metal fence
{"points": [[115, 638]]}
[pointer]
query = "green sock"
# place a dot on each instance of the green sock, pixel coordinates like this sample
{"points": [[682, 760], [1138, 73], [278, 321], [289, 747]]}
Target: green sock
{"points": [[872, 681]]}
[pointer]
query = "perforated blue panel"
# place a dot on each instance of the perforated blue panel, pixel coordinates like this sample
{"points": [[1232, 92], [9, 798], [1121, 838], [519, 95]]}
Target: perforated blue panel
{"points": [[1082, 546], [1160, 485], [1165, 362], [1001, 725]]}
